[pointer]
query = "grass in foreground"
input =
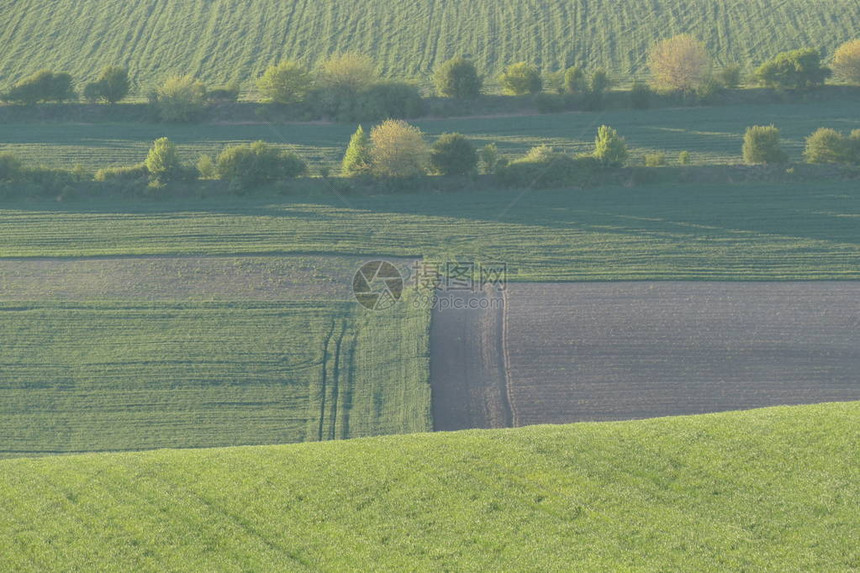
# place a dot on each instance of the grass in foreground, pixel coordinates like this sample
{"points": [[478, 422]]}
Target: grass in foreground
{"points": [[735, 232], [764, 490], [88, 376]]}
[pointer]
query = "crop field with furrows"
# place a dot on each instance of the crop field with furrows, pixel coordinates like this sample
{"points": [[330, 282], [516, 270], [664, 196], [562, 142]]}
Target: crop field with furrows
{"points": [[712, 135], [231, 40], [96, 376], [734, 232], [764, 490], [610, 351]]}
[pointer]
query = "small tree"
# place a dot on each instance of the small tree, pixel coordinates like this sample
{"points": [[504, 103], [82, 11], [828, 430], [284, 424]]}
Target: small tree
{"points": [[609, 147], [574, 80], [357, 160], [846, 62], [730, 76], [398, 150], [489, 158], [287, 82], [681, 63], [180, 99], [600, 82], [112, 86], [827, 145], [761, 145], [796, 69], [458, 78], [521, 79], [684, 158], [640, 95], [453, 154], [10, 167], [348, 71], [257, 163], [163, 162]]}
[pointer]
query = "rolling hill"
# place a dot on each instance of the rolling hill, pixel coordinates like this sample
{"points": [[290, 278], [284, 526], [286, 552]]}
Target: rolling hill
{"points": [[234, 40], [763, 490]]}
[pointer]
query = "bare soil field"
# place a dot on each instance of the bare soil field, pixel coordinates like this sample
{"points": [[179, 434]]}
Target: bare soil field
{"points": [[624, 350]]}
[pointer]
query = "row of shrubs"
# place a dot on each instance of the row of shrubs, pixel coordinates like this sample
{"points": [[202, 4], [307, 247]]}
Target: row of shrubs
{"points": [[395, 150], [348, 87]]}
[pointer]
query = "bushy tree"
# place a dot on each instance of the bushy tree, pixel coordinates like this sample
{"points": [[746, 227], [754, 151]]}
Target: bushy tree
{"points": [[827, 145], [286, 82], [575, 81], [180, 99], [10, 167], [223, 94], [640, 95], [387, 100], [681, 63], [42, 86], [163, 162], [453, 154], [730, 76], [112, 86], [458, 78], [761, 145], [257, 163], [609, 147], [600, 81], [521, 79], [348, 71], [846, 62], [398, 150], [357, 160], [796, 69], [489, 158]]}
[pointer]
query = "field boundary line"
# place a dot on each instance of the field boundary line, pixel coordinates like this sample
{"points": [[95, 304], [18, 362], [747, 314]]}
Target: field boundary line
{"points": [[507, 398]]}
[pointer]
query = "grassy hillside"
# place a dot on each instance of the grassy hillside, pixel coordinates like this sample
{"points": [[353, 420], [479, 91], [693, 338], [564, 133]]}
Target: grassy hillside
{"points": [[737, 232], [95, 376], [712, 135], [763, 490], [226, 40]]}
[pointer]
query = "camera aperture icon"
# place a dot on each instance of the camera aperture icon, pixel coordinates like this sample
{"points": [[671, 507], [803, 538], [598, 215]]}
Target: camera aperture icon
{"points": [[377, 285]]}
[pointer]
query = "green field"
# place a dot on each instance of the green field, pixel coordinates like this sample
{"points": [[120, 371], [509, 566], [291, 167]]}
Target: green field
{"points": [[98, 376], [230, 40], [764, 490], [711, 134], [734, 232]]}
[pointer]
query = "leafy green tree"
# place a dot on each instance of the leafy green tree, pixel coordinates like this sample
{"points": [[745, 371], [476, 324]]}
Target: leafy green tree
{"points": [[257, 163], [521, 79], [489, 158], [349, 71], [684, 158], [600, 81], [827, 145], [761, 145], [357, 160], [846, 62], [796, 69], [453, 154], [575, 81], [42, 86], [398, 150], [458, 78], [180, 99], [609, 147], [10, 167], [112, 86], [679, 64], [287, 82], [640, 95], [163, 162], [730, 76]]}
